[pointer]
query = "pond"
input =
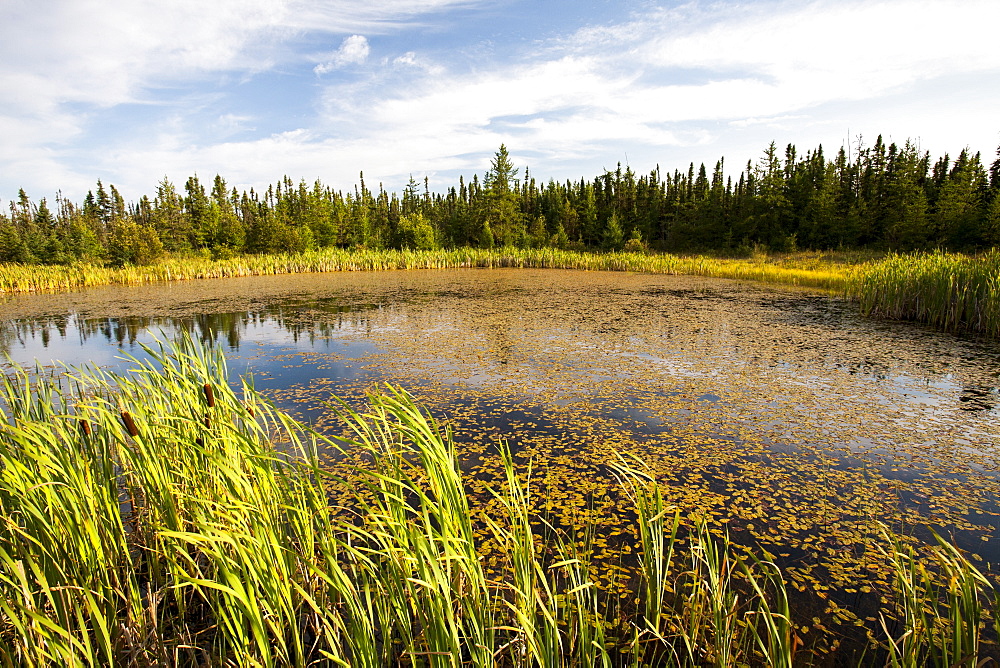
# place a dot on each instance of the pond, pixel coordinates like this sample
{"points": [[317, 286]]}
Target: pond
{"points": [[793, 423]]}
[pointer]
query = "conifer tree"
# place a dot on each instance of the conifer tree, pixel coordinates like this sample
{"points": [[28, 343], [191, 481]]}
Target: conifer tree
{"points": [[537, 234], [905, 199], [991, 224], [131, 243], [415, 232], [772, 208], [614, 238], [957, 212], [224, 232], [198, 213], [169, 221], [500, 216]]}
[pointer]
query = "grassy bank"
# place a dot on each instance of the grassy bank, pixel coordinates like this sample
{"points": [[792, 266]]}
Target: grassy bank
{"points": [[948, 291], [33, 278], [162, 518]]}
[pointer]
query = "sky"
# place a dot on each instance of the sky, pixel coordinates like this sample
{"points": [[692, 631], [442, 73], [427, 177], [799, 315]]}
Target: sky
{"points": [[132, 91]]}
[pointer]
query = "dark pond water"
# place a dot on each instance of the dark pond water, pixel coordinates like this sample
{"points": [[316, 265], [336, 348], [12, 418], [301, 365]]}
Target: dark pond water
{"points": [[781, 414]]}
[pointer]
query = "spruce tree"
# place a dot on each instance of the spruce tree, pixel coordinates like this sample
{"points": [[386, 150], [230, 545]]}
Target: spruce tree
{"points": [[501, 215], [614, 238]]}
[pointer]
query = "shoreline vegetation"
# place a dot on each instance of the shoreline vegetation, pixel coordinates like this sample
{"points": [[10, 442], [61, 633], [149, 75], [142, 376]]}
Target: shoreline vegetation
{"points": [[858, 210], [161, 517], [949, 291]]}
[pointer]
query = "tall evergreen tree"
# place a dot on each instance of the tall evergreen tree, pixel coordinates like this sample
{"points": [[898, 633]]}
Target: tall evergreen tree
{"points": [[169, 221], [501, 217], [772, 210], [957, 212], [198, 213]]}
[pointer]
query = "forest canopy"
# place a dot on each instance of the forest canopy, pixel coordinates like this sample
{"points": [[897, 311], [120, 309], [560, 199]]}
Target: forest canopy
{"points": [[878, 197]]}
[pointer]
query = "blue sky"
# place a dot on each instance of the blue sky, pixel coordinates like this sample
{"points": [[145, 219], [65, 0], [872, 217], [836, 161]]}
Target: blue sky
{"points": [[130, 91]]}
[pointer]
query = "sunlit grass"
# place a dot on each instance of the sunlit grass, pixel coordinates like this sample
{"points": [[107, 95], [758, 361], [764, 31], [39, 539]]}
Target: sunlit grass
{"points": [[941, 597], [161, 517], [949, 291], [946, 290], [16, 278]]}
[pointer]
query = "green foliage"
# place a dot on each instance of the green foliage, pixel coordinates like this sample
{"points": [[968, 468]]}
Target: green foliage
{"points": [[559, 239], [538, 236], [879, 197], [131, 243], [168, 220], [12, 245], [951, 292], [269, 235], [613, 235], [82, 243], [991, 224], [958, 210], [502, 221], [415, 232], [485, 238], [166, 516], [635, 243]]}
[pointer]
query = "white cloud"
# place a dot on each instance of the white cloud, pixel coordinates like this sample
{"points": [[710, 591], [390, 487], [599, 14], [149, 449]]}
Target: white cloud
{"points": [[106, 52], [697, 81], [771, 121], [353, 50], [815, 52], [340, 16], [407, 59], [756, 68], [67, 61], [227, 125]]}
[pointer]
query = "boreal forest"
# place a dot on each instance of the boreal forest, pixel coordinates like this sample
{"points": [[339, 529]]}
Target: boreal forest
{"points": [[880, 197]]}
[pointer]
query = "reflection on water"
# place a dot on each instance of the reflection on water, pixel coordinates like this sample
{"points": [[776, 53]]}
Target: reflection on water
{"points": [[34, 336], [779, 414], [978, 398]]}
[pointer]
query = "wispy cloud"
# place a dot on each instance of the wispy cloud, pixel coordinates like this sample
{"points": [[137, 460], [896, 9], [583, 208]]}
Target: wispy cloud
{"points": [[770, 121], [688, 76], [105, 52], [696, 81], [67, 61], [353, 50]]}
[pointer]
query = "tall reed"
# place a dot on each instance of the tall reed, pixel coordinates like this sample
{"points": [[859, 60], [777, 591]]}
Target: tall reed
{"points": [[948, 291], [16, 278], [169, 517], [724, 609], [941, 597]]}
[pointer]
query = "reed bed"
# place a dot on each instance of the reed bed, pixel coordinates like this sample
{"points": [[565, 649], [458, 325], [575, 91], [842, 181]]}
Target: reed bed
{"points": [[166, 517], [948, 291], [15, 278]]}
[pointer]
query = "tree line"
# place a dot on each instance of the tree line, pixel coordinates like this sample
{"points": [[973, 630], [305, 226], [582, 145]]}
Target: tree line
{"points": [[879, 197]]}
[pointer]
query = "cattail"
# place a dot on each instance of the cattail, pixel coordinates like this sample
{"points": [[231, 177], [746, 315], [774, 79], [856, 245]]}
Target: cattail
{"points": [[85, 427], [209, 395], [129, 424]]}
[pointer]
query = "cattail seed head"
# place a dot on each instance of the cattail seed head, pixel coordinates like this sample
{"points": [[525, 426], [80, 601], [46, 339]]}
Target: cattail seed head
{"points": [[129, 424]]}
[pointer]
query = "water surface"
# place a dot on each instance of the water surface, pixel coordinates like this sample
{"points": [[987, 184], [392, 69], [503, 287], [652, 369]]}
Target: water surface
{"points": [[792, 422]]}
